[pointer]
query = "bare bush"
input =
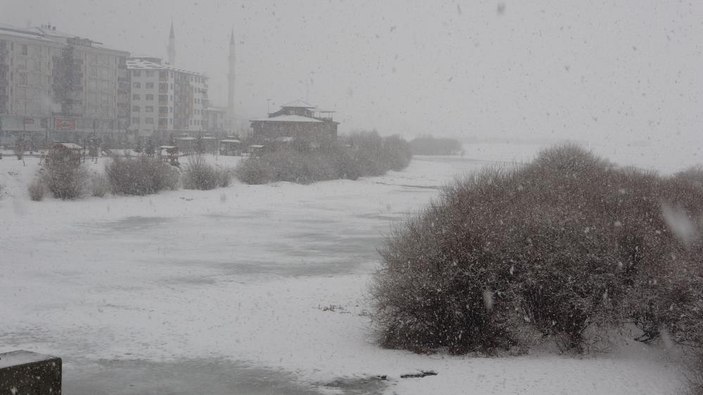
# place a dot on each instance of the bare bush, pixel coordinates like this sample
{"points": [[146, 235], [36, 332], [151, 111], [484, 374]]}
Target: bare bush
{"points": [[361, 154], [198, 174], [99, 184], [36, 189], [565, 246], [225, 176], [694, 175], [142, 175], [64, 176], [255, 171]]}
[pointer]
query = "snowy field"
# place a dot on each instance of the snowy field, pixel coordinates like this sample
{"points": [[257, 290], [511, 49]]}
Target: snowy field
{"points": [[260, 289]]}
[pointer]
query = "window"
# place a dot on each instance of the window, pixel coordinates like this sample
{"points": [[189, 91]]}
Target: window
{"points": [[149, 85], [149, 120], [149, 97], [136, 73], [135, 120], [149, 108], [136, 85], [135, 96], [135, 108], [24, 49], [150, 73]]}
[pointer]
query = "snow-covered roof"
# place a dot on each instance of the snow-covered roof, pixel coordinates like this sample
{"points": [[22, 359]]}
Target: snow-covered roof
{"points": [[297, 104], [148, 64], [288, 118], [50, 34], [43, 34], [19, 32], [185, 138], [230, 141]]}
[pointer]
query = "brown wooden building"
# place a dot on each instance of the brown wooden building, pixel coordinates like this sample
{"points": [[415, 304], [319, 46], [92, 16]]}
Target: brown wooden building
{"points": [[295, 121]]}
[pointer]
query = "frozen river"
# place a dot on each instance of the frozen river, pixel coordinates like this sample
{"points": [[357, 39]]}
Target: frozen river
{"points": [[126, 289]]}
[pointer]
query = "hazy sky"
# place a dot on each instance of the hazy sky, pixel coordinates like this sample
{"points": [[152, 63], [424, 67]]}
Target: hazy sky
{"points": [[620, 70]]}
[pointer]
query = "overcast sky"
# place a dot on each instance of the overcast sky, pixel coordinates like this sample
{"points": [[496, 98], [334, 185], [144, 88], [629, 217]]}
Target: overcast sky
{"points": [[590, 70]]}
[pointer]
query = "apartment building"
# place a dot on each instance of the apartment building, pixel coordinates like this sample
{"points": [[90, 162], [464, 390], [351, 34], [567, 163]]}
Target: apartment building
{"points": [[165, 100], [55, 86]]}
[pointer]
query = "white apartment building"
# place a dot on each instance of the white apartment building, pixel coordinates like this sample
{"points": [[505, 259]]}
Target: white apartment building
{"points": [[55, 86], [166, 100]]}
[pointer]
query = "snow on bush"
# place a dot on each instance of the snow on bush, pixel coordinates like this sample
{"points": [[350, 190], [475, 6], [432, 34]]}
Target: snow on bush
{"points": [[561, 248], [255, 171], [99, 184], [358, 155], [199, 174], [63, 175], [142, 175], [36, 189]]}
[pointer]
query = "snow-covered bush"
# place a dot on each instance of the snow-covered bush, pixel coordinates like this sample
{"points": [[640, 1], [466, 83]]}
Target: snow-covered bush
{"points": [[36, 189], [99, 184], [357, 155], [693, 175], [562, 247], [64, 175], [288, 164], [142, 175], [254, 171], [373, 155], [199, 174], [225, 176]]}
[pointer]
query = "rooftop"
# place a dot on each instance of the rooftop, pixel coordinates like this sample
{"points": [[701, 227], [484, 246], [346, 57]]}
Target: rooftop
{"points": [[150, 64], [49, 33], [297, 104], [287, 118]]}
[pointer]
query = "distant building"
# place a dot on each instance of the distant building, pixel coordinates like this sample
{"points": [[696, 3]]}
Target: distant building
{"points": [[216, 121], [166, 100], [55, 86], [295, 121]]}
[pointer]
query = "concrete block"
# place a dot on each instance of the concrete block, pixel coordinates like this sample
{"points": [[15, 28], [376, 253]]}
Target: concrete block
{"points": [[29, 373]]}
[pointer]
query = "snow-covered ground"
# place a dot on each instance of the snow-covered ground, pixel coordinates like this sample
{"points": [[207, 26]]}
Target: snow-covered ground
{"points": [[258, 289]]}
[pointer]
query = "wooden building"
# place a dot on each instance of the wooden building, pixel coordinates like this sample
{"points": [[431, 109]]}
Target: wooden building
{"points": [[296, 121]]}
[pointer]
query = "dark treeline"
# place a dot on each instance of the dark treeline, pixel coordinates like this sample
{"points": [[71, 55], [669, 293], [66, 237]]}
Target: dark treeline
{"points": [[428, 145]]}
